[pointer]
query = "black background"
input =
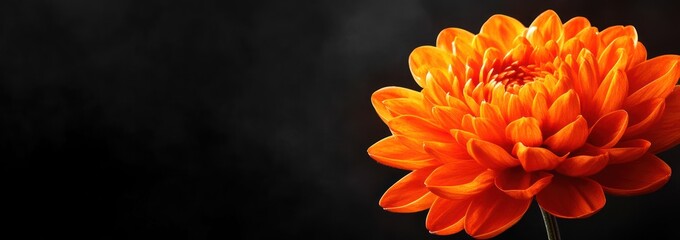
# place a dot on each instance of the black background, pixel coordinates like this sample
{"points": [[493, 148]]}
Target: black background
{"points": [[207, 120]]}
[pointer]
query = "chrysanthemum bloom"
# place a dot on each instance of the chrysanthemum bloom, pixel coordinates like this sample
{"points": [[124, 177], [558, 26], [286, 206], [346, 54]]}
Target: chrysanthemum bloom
{"points": [[559, 112]]}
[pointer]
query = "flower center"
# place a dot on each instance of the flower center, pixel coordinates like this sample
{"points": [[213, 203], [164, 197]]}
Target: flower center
{"points": [[516, 75]]}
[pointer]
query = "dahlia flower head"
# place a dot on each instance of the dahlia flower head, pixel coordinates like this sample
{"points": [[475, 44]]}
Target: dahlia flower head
{"points": [[558, 112]]}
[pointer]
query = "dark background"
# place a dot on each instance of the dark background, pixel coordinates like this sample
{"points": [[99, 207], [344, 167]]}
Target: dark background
{"points": [[207, 120]]}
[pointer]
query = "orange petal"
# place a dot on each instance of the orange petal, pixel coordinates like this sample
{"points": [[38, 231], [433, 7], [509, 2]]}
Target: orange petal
{"points": [[644, 175], [461, 136], [419, 129], [644, 115], [426, 58], [615, 56], [612, 92], [433, 91], [525, 130], [490, 155], [503, 28], [391, 152], [537, 158], [487, 130], [583, 165], [446, 37], [539, 106], [492, 212], [570, 137], [574, 26], [409, 194], [659, 87], [610, 34], [568, 197], [589, 38], [607, 131], [572, 46], [563, 111], [522, 185], [448, 117], [492, 113], [639, 55], [446, 152], [391, 93], [587, 75], [514, 108], [447, 216], [666, 132], [548, 24], [628, 151], [459, 180], [661, 67], [406, 106]]}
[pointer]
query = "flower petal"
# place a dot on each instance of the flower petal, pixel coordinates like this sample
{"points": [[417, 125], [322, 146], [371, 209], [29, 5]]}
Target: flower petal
{"points": [[644, 175], [525, 130], [426, 58], [607, 131], [391, 152], [517, 183], [391, 93], [628, 151], [568, 197], [490, 155], [537, 158], [447, 216], [486, 129], [563, 111], [446, 152], [409, 194], [448, 117], [492, 212], [437, 85], [570, 137], [574, 26], [615, 55], [419, 129], [659, 87], [583, 165], [644, 115], [459, 180], [611, 93], [406, 106], [666, 132], [448, 35], [548, 27], [661, 68], [503, 28]]}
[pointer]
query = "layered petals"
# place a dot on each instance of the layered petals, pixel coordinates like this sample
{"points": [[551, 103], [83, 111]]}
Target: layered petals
{"points": [[490, 155], [409, 194], [459, 180], [391, 152], [537, 158], [560, 112], [569, 197], [447, 216], [493, 212], [609, 129], [391, 93], [644, 175], [517, 183], [418, 128], [666, 132]]}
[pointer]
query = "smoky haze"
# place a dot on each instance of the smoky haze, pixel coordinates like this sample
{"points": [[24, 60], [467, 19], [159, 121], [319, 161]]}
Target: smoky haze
{"points": [[171, 119]]}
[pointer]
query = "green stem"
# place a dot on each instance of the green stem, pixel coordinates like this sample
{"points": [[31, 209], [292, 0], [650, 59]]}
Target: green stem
{"points": [[550, 225]]}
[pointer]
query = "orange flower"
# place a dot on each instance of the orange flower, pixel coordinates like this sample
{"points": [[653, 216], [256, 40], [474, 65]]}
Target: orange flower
{"points": [[557, 111]]}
